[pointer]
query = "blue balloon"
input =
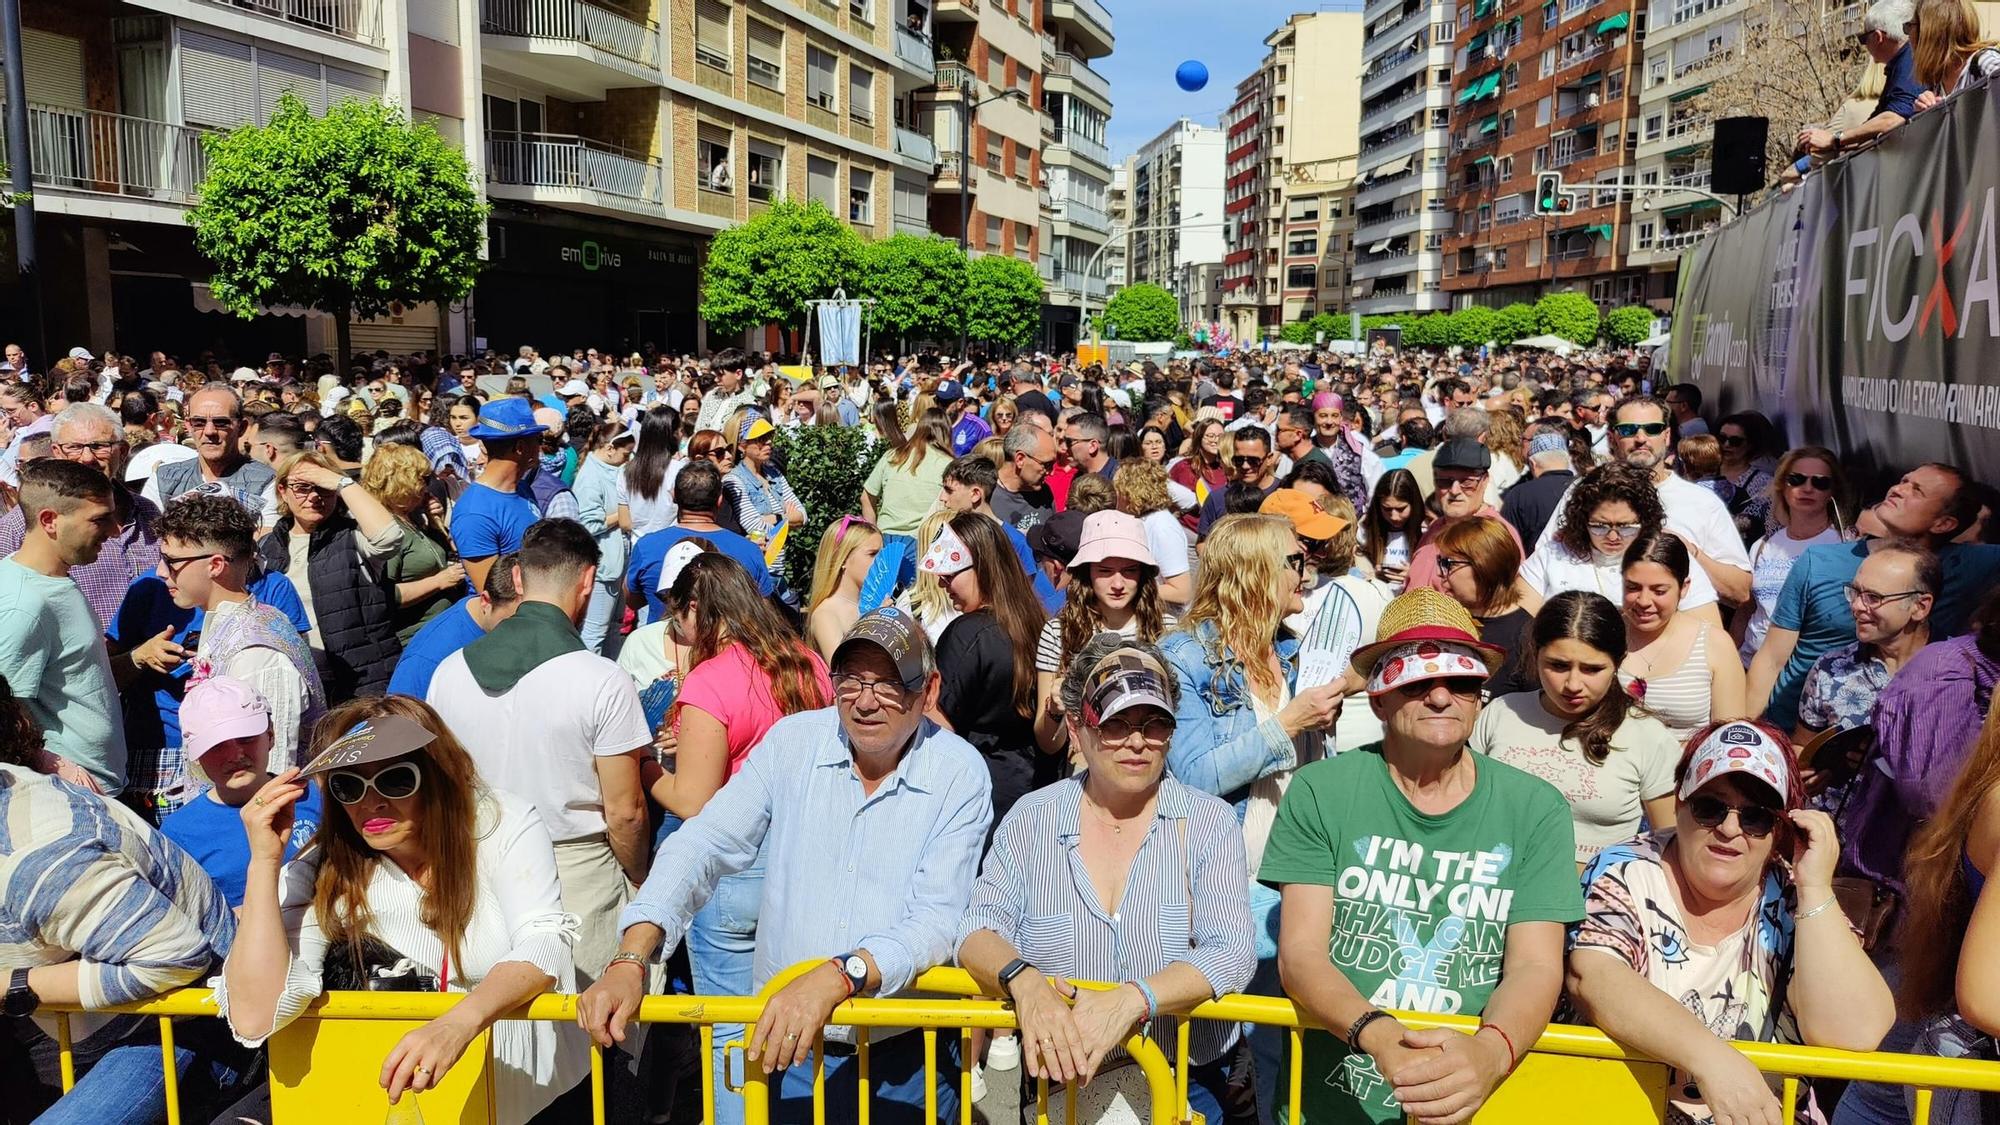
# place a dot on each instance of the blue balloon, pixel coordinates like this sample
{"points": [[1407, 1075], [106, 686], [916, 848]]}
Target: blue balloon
{"points": [[1192, 75]]}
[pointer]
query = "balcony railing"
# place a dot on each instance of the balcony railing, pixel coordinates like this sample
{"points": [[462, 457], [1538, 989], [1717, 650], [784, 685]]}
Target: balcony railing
{"points": [[1078, 71], [915, 145], [1394, 108], [360, 20], [953, 165], [1092, 12], [1389, 66], [111, 154], [1082, 214], [1720, 55], [1083, 146], [552, 160], [1695, 179], [574, 21], [1681, 240], [913, 49], [1682, 126], [1580, 57], [953, 76]]}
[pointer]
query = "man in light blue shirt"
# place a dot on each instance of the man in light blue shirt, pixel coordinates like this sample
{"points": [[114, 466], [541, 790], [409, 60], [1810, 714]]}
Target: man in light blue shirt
{"points": [[871, 819]]}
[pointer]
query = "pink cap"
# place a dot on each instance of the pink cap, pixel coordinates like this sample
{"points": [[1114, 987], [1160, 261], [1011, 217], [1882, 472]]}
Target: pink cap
{"points": [[1110, 534], [218, 709]]}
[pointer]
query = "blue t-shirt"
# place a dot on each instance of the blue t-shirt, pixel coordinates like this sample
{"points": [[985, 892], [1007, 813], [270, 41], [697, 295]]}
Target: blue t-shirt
{"points": [[212, 833], [1052, 599], [487, 522], [642, 566], [1813, 603], [1899, 84], [439, 638], [153, 701], [970, 430]]}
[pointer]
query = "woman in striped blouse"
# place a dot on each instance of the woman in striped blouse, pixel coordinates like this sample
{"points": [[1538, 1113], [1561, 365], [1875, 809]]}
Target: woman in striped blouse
{"points": [[1165, 907]]}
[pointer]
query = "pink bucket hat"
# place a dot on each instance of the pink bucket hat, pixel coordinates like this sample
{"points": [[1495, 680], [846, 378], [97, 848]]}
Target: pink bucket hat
{"points": [[1111, 534]]}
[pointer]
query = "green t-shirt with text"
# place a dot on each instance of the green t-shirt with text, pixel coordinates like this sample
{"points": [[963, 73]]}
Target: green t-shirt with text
{"points": [[1421, 903]]}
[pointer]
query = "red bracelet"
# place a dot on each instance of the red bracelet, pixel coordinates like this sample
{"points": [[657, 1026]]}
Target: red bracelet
{"points": [[1513, 1058]]}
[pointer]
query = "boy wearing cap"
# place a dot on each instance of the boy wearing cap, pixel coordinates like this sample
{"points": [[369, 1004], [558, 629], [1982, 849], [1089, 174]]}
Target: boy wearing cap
{"points": [[1463, 864], [495, 511], [226, 729], [967, 427]]}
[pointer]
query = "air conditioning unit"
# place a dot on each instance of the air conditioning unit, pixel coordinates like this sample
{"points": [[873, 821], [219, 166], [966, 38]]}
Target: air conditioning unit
{"points": [[1592, 101]]}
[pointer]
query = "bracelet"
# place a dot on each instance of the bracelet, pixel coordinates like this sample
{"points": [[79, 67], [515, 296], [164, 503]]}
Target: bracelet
{"points": [[626, 957], [1355, 1029], [1513, 1058], [1152, 1001], [1820, 909]]}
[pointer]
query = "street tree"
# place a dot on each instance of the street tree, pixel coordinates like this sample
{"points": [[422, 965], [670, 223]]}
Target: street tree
{"points": [[351, 213], [1474, 325], [918, 283], [1516, 321], [1003, 301], [1629, 325], [766, 271], [1573, 316], [1144, 313]]}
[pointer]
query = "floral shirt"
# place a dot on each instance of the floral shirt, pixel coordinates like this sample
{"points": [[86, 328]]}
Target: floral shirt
{"points": [[1840, 692]]}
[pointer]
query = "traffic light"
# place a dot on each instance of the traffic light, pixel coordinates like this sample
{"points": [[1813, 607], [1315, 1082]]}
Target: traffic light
{"points": [[1550, 199]]}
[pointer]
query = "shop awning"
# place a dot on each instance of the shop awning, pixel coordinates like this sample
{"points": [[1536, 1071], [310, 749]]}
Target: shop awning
{"points": [[1689, 208], [1686, 94], [1482, 160], [1476, 42], [1379, 247], [1618, 22], [1602, 230], [1396, 166], [1591, 79], [1490, 124]]}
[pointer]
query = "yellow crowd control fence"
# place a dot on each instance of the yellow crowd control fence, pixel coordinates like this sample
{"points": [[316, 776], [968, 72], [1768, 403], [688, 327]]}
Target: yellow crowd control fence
{"points": [[324, 1066]]}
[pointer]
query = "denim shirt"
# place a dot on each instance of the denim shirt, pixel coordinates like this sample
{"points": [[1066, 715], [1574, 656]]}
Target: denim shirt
{"points": [[1219, 746], [597, 501]]}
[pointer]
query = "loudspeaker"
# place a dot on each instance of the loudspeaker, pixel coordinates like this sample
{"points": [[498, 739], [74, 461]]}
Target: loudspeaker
{"points": [[1737, 167]]}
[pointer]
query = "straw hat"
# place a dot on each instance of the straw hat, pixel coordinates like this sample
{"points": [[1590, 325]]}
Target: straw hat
{"points": [[1424, 614]]}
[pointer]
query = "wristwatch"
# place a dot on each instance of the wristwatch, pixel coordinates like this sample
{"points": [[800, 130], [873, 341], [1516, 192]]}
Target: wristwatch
{"points": [[624, 955], [21, 999], [1011, 970], [855, 968]]}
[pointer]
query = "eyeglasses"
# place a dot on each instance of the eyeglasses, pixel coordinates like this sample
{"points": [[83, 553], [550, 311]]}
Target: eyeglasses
{"points": [[1752, 820], [889, 693], [1046, 465], [1634, 429], [1615, 530], [1794, 480], [174, 563], [210, 423], [1156, 731], [1870, 600], [1447, 564], [72, 448], [393, 782], [304, 488]]}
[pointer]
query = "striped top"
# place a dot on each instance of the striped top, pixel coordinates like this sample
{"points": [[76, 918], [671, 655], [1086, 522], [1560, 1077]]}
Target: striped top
{"points": [[83, 878], [1186, 898], [1682, 698]]}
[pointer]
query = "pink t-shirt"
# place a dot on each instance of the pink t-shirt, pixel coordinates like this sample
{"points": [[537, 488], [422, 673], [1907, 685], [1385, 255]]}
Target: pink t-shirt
{"points": [[737, 694]]}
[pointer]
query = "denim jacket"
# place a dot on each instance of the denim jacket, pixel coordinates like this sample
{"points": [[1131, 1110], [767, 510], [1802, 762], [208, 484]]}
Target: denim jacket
{"points": [[1219, 746]]}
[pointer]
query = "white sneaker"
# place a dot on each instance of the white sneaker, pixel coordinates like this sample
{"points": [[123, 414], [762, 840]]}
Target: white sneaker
{"points": [[978, 1083], [1004, 1053]]}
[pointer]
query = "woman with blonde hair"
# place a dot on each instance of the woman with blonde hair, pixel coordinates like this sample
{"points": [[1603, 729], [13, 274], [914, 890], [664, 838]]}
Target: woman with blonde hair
{"points": [[428, 579], [926, 598], [847, 549], [1806, 496], [1948, 49], [1140, 488]]}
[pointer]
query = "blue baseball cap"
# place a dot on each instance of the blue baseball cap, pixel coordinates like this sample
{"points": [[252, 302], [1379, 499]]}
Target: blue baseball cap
{"points": [[506, 418], [948, 391]]}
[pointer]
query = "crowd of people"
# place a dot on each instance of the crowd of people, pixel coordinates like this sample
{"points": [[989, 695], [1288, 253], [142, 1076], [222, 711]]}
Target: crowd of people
{"points": [[1501, 685]]}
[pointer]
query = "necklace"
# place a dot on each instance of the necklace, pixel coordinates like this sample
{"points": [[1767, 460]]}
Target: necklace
{"points": [[1117, 827]]}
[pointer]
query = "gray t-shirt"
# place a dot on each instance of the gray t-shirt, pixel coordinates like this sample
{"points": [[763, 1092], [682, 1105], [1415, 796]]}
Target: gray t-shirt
{"points": [[1023, 510]]}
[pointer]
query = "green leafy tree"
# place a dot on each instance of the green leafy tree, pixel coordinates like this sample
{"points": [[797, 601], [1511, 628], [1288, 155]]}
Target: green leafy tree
{"points": [[766, 270], [918, 283], [1572, 316], [826, 466], [1516, 322], [350, 213], [1474, 325], [1629, 325], [1297, 332], [1143, 313], [1003, 301], [1335, 327]]}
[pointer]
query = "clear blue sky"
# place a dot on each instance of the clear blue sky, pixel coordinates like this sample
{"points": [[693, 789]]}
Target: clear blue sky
{"points": [[1154, 36]]}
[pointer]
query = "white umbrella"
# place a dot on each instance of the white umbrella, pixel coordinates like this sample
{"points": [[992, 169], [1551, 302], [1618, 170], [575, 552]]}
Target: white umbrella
{"points": [[1554, 344], [1659, 341]]}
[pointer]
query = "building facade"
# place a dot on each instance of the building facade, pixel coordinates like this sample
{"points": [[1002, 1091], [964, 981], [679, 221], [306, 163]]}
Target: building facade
{"points": [[1551, 88], [1406, 112], [1688, 42], [1177, 215]]}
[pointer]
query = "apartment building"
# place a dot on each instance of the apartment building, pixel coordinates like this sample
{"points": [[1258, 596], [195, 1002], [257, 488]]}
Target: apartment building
{"points": [[1115, 269], [1319, 236], [1076, 209], [1552, 87], [1298, 110], [1177, 212], [1406, 112], [1688, 42]]}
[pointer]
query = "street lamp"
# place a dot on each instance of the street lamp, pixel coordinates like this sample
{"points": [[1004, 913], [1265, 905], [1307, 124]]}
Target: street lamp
{"points": [[967, 108]]}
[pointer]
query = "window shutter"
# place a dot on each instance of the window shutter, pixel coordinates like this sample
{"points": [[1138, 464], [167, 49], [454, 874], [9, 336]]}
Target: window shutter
{"points": [[823, 182], [860, 93], [277, 73], [52, 68], [711, 32], [765, 52], [342, 85], [218, 81]]}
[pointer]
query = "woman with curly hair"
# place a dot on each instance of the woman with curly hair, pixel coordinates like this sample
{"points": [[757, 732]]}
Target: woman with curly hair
{"points": [[1112, 589], [428, 580], [1610, 507]]}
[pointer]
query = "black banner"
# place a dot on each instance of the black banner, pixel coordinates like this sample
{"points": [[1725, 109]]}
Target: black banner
{"points": [[1861, 311]]}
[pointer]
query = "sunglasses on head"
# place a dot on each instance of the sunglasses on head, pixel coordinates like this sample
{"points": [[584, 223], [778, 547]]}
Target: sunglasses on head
{"points": [[393, 782], [1634, 429], [1794, 480], [1753, 820]]}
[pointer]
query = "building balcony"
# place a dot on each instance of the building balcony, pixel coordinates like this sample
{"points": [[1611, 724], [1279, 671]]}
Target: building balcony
{"points": [[952, 77], [1381, 37], [953, 169], [1388, 112], [914, 51], [1680, 240], [1093, 151], [573, 46], [574, 172], [356, 20], [916, 146], [1397, 182], [1400, 221], [957, 11], [1390, 69], [110, 157], [1087, 21], [1068, 74], [1081, 214]]}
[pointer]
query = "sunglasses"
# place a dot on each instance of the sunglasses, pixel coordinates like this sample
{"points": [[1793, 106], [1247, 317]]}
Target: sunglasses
{"points": [[210, 423], [1465, 687], [1615, 530], [1247, 462], [1634, 429], [1734, 439], [1753, 820], [1794, 480], [1296, 563], [393, 782], [1156, 731]]}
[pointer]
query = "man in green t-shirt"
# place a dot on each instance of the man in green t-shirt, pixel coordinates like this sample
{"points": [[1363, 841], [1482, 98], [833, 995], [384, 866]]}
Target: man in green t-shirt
{"points": [[1420, 877]]}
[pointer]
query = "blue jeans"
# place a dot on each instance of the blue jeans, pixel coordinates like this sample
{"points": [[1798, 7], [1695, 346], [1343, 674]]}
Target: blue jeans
{"points": [[602, 617], [896, 1067], [722, 946], [126, 1085]]}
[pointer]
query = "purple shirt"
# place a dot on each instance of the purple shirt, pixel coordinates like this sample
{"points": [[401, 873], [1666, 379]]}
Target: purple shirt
{"points": [[127, 555]]}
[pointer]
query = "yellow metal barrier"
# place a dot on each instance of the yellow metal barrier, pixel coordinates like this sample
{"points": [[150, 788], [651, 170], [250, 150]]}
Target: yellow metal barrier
{"points": [[1571, 1072]]}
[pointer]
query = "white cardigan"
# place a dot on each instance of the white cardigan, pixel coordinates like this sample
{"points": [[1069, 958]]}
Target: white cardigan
{"points": [[516, 916]]}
